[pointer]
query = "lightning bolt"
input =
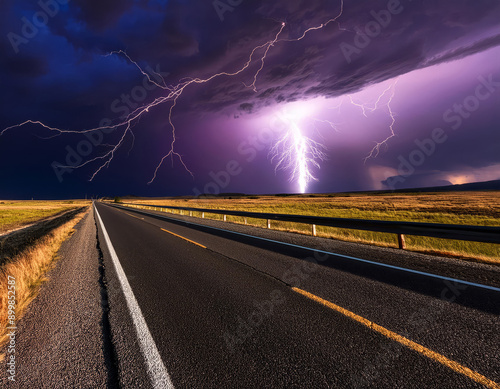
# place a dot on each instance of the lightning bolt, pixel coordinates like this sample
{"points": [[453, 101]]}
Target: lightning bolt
{"points": [[174, 92], [302, 151], [365, 109], [163, 85], [300, 154], [333, 125], [297, 153], [322, 25]]}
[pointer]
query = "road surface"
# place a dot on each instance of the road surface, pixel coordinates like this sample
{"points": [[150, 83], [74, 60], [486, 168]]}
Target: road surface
{"points": [[182, 305]]}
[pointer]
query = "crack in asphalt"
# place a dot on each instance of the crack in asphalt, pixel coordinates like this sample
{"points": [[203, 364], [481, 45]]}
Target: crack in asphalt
{"points": [[110, 356]]}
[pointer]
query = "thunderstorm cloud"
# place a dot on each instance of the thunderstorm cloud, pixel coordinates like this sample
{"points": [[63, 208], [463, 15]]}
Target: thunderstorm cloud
{"points": [[55, 67]]}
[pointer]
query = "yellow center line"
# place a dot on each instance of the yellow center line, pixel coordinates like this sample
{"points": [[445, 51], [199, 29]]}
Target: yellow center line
{"points": [[404, 341], [140, 218], [189, 240], [170, 232]]}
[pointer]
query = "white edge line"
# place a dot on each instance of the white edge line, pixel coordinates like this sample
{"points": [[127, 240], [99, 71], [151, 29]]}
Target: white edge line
{"points": [[155, 366], [340, 255]]}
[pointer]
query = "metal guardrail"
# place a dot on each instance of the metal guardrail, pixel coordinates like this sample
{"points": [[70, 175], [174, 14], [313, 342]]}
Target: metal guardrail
{"points": [[482, 234]]}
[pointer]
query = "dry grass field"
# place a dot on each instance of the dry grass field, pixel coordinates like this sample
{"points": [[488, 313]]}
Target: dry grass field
{"points": [[472, 208], [28, 254], [16, 214]]}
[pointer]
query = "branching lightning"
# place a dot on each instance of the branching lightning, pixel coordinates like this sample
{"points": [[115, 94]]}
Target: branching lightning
{"points": [[174, 92], [294, 151], [297, 153], [333, 125], [365, 108]]}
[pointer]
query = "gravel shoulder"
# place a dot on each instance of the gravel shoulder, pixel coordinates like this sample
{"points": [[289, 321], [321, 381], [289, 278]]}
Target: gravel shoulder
{"points": [[59, 341]]}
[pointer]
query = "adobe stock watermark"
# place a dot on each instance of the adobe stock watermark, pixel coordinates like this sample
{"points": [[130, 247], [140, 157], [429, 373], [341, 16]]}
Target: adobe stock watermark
{"points": [[371, 30], [455, 116], [12, 328], [248, 151], [31, 27], [418, 323], [224, 6], [295, 276], [246, 328], [122, 106]]}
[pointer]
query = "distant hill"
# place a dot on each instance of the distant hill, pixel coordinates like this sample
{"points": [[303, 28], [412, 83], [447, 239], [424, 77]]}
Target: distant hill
{"points": [[473, 186]]}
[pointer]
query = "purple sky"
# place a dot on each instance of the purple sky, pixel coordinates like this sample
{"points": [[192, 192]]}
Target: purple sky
{"points": [[438, 62]]}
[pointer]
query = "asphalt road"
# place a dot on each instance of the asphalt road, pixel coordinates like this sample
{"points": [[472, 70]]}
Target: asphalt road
{"points": [[142, 300], [219, 310]]}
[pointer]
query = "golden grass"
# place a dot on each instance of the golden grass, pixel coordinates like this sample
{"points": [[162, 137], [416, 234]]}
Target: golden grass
{"points": [[472, 208], [29, 269], [15, 214]]}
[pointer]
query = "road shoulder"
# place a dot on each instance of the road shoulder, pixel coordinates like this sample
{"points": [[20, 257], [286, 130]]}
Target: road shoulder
{"points": [[59, 340]]}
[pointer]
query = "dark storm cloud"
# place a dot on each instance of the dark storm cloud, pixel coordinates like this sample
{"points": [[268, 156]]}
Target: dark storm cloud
{"points": [[27, 66], [462, 52], [189, 39], [417, 36], [100, 14], [61, 76], [417, 181]]}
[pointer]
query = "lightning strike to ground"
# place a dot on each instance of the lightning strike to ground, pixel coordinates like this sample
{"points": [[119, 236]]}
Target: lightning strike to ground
{"points": [[299, 152]]}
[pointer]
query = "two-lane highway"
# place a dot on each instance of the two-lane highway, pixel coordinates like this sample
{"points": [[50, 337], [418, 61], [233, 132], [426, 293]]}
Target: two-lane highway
{"points": [[193, 308]]}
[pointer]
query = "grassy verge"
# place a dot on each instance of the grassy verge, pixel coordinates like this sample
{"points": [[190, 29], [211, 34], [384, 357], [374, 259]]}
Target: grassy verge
{"points": [[29, 268], [472, 208], [15, 214]]}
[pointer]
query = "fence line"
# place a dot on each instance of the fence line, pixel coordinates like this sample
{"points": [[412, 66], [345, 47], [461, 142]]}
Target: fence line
{"points": [[484, 234]]}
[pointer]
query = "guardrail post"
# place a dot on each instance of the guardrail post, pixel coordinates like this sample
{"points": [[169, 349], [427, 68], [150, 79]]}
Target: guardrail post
{"points": [[485, 234], [225, 219], [190, 213], [401, 241]]}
